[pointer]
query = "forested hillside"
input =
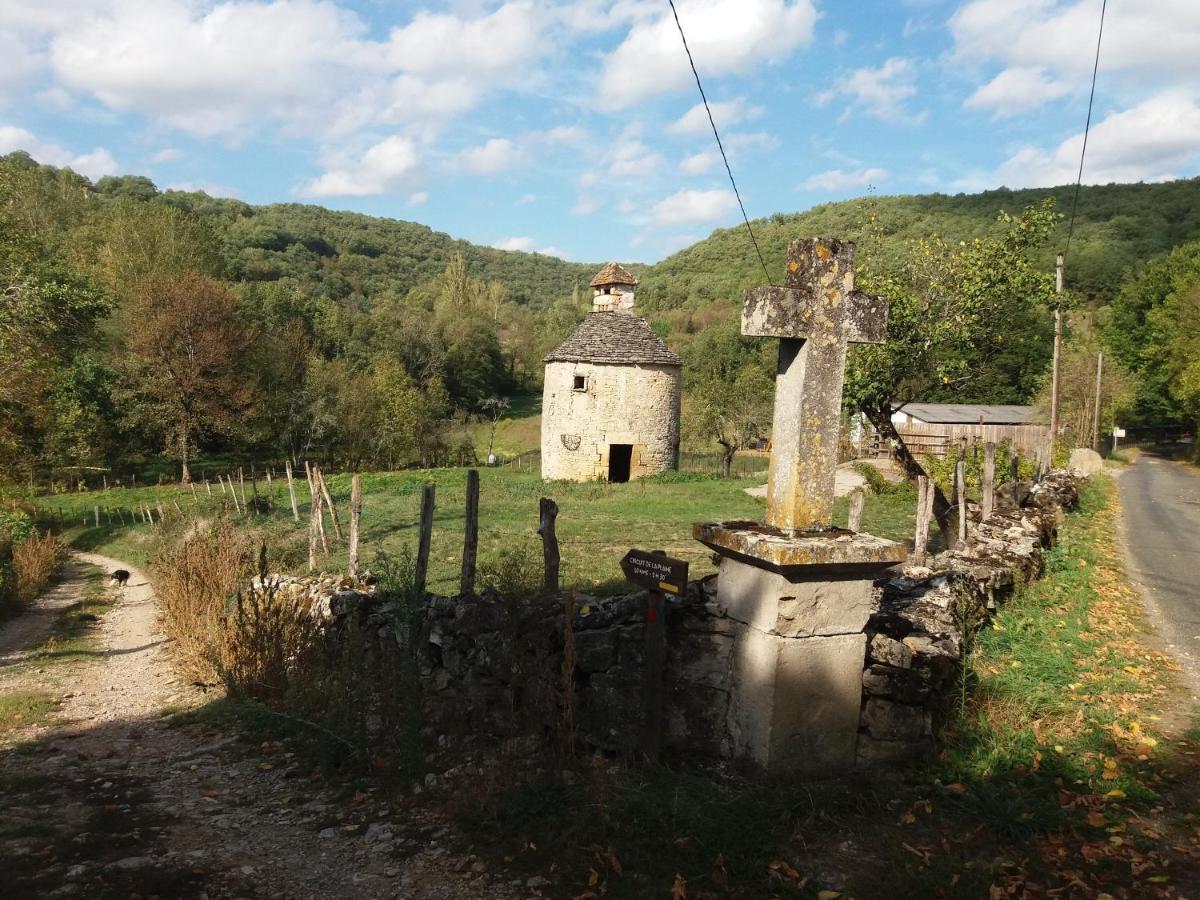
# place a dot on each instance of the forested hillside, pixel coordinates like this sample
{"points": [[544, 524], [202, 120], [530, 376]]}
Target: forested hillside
{"points": [[141, 324]]}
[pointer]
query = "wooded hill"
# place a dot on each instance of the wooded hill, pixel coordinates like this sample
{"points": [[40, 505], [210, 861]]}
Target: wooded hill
{"points": [[375, 342]]}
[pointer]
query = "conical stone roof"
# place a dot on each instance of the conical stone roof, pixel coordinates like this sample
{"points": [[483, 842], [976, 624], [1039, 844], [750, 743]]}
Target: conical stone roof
{"points": [[614, 338], [613, 273]]}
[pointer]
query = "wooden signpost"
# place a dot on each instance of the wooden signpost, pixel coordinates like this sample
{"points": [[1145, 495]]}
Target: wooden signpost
{"points": [[660, 574]]}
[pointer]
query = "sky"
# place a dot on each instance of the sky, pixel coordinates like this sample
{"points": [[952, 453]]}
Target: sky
{"points": [[574, 129]]}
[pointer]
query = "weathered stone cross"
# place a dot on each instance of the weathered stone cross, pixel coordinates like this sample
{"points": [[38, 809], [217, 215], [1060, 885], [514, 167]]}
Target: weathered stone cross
{"points": [[817, 314]]}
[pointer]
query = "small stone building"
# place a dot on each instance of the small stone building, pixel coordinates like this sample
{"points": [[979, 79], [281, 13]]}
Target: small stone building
{"points": [[610, 405]]}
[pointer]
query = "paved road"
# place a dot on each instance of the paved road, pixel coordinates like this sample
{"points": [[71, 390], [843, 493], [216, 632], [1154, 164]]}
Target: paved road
{"points": [[1161, 504]]}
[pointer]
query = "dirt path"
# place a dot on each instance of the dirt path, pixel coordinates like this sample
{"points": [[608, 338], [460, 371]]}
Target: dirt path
{"points": [[113, 799], [33, 624]]}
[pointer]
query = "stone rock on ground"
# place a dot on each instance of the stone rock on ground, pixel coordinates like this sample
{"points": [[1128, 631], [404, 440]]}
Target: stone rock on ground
{"points": [[1086, 462]]}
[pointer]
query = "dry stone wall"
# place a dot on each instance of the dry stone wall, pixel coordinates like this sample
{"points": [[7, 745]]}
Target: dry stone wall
{"points": [[494, 669]]}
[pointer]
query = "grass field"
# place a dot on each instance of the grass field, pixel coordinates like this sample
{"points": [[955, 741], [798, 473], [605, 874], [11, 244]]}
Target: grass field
{"points": [[597, 523]]}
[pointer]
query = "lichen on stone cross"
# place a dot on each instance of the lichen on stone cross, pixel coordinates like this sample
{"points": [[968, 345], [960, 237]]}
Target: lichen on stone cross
{"points": [[816, 315]]}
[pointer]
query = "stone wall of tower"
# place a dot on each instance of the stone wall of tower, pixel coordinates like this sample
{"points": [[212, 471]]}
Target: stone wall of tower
{"points": [[620, 298], [617, 404]]}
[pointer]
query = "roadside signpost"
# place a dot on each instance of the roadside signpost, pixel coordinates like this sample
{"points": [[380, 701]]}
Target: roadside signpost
{"points": [[659, 574]]}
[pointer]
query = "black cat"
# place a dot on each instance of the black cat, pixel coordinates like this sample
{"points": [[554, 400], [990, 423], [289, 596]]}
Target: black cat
{"points": [[119, 577]]}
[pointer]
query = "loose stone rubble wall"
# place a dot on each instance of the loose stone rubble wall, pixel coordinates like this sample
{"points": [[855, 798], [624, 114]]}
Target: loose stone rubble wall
{"points": [[494, 668]]}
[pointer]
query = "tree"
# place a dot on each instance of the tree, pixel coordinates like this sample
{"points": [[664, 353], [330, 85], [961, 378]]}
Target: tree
{"points": [[954, 313], [730, 395], [181, 368]]}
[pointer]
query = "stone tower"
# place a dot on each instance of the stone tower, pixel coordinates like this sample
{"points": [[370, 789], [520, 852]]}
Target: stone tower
{"points": [[610, 405]]}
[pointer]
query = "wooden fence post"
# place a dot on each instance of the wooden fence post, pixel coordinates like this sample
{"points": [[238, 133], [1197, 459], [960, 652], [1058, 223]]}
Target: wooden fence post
{"points": [[857, 499], [987, 498], [242, 482], [292, 490], [355, 517], [921, 541], [270, 492], [318, 504], [314, 517], [960, 488], [466, 583], [333, 513], [207, 486], [426, 536], [547, 513], [96, 514], [192, 485], [233, 493], [254, 487]]}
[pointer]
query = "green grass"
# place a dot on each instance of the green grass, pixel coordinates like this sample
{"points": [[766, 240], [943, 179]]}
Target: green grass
{"points": [[20, 709], [74, 633], [598, 522]]}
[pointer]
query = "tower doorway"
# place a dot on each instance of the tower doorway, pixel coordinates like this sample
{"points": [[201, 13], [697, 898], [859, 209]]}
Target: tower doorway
{"points": [[620, 457]]}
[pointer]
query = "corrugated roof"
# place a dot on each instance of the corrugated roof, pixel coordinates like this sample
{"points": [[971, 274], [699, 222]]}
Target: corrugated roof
{"points": [[618, 338], [970, 414], [613, 273]]}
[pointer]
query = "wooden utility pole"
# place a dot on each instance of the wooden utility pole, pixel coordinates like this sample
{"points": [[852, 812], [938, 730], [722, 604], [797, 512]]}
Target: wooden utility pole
{"points": [[1096, 408], [1058, 330], [466, 584], [355, 517]]}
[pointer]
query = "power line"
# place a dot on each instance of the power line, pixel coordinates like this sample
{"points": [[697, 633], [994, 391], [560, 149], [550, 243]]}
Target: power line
{"points": [[1087, 126], [720, 146]]}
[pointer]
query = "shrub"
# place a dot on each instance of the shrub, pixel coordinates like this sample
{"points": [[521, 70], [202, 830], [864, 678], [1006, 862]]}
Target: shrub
{"points": [[34, 562], [195, 580], [516, 572], [876, 483]]}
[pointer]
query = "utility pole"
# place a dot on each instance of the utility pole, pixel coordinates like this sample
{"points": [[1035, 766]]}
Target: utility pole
{"points": [[1096, 411], [1058, 328]]}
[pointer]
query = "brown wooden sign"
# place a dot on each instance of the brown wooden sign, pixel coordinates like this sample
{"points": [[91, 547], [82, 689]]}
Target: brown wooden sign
{"points": [[656, 571]]}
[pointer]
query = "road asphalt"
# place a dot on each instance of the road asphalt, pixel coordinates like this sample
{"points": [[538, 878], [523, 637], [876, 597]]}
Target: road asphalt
{"points": [[1160, 503]]}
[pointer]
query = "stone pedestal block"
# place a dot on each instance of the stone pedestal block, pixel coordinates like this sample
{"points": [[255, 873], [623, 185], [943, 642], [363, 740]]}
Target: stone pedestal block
{"points": [[793, 604]]}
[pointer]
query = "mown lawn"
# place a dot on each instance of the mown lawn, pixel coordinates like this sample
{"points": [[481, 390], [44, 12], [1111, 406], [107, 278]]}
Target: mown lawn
{"points": [[597, 524]]}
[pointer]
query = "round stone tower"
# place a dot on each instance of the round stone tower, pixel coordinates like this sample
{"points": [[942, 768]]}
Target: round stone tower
{"points": [[610, 405]]}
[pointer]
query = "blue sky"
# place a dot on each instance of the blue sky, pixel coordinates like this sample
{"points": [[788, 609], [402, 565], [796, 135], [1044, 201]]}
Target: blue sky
{"points": [[573, 128]]}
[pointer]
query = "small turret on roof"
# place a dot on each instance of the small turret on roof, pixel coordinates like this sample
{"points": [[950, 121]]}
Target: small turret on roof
{"points": [[611, 274]]}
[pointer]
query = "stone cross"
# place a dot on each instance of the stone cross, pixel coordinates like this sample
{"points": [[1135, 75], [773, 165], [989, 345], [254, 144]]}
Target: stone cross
{"points": [[817, 315]]}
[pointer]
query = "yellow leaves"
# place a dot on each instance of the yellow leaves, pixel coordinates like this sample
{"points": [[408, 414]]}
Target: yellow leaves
{"points": [[593, 878], [828, 895], [584, 610], [780, 869], [1116, 794], [1097, 819], [996, 626], [1016, 663]]}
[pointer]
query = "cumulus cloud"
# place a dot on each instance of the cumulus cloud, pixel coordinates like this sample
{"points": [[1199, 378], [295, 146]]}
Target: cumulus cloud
{"points": [[95, 164], [699, 163], [726, 113], [693, 206], [418, 198], [166, 154], [497, 155], [730, 36], [1157, 139], [528, 245], [387, 166], [836, 180], [633, 159], [880, 92], [1016, 90]]}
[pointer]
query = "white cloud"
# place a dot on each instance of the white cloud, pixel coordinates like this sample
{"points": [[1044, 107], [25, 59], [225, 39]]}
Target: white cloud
{"points": [[633, 159], [1153, 38], [166, 154], [528, 245], [493, 45], [584, 205], [1157, 139], [726, 114], [526, 199], [497, 155], [385, 167], [1017, 90], [880, 92], [418, 198], [213, 190], [699, 163], [95, 164], [836, 180], [693, 206], [728, 36]]}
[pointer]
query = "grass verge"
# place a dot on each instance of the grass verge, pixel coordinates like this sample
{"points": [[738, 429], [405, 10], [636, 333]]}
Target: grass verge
{"points": [[1056, 777]]}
